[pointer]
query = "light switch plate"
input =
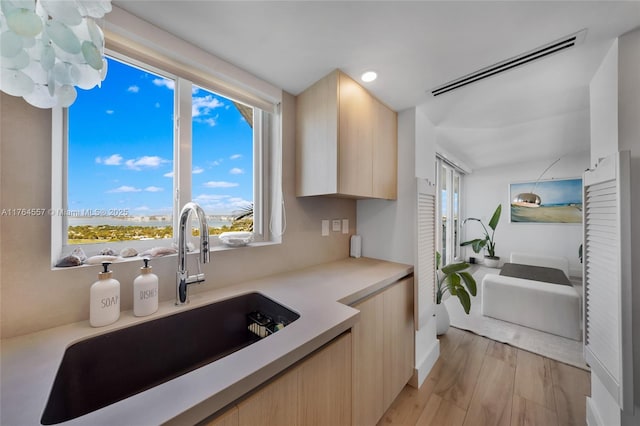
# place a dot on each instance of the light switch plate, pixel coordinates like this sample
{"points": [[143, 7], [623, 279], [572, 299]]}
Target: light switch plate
{"points": [[325, 227], [335, 225], [345, 226]]}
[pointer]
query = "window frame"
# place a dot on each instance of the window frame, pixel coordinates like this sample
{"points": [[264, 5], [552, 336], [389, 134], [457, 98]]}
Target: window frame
{"points": [[266, 149], [452, 235]]}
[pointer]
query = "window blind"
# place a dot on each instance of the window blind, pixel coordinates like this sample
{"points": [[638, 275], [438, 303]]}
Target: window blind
{"points": [[425, 273], [138, 39]]}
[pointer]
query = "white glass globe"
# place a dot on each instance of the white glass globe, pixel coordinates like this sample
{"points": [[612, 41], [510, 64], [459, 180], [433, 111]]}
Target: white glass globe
{"points": [[15, 82], [49, 46]]}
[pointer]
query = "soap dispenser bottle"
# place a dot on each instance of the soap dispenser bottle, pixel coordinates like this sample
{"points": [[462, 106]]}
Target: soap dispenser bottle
{"points": [[104, 307], [145, 292]]}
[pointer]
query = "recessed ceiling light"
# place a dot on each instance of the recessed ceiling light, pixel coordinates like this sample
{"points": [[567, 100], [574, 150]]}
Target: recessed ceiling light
{"points": [[369, 76]]}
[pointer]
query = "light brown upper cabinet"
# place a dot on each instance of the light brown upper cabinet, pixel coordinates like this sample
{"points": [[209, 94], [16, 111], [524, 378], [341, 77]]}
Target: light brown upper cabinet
{"points": [[346, 141]]}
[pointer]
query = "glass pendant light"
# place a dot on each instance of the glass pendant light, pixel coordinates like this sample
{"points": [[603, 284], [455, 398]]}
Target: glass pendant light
{"points": [[48, 47]]}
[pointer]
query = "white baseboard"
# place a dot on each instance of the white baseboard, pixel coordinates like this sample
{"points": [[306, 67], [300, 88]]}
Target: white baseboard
{"points": [[423, 368], [593, 417]]}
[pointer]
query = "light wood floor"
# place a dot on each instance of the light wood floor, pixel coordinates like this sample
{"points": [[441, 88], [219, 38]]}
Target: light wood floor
{"points": [[477, 381]]}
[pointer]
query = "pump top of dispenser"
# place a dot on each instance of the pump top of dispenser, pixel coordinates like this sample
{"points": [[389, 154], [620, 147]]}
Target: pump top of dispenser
{"points": [[146, 269], [106, 274]]}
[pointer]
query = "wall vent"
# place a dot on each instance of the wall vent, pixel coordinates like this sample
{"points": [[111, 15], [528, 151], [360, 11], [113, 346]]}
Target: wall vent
{"points": [[513, 62]]}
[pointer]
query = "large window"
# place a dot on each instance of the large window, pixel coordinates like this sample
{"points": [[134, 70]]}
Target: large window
{"points": [[449, 181], [120, 153], [145, 143]]}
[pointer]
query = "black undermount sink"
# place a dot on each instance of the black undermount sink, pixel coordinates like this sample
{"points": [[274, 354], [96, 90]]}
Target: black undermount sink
{"points": [[105, 369]]}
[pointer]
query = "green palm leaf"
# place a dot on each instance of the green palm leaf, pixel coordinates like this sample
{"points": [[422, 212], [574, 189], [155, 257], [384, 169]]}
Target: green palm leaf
{"points": [[455, 267], [470, 282], [493, 223], [465, 300], [453, 282]]}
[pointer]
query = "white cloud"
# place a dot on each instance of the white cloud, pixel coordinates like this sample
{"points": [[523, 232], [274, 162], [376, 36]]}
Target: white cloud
{"points": [[146, 161], [133, 89], [197, 170], [168, 174], [125, 188], [203, 105], [235, 156], [165, 82], [207, 198], [112, 160], [220, 184], [221, 204], [217, 162], [236, 171], [142, 209], [109, 111], [153, 189], [210, 121], [239, 202]]}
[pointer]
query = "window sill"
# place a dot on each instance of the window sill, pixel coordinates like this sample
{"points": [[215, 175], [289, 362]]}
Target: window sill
{"points": [[214, 249]]}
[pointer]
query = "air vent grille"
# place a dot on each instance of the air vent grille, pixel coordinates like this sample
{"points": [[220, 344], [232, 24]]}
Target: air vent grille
{"points": [[516, 61]]}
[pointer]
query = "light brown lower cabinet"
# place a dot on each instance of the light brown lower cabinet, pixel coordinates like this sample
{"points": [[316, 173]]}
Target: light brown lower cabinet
{"points": [[383, 351], [317, 391], [368, 376], [352, 380], [228, 418]]}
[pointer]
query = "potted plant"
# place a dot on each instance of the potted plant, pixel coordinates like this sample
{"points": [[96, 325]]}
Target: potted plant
{"points": [[487, 242], [453, 279]]}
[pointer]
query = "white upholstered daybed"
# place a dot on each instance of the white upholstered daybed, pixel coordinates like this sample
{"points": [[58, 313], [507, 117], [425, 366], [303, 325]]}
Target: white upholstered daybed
{"points": [[548, 307]]}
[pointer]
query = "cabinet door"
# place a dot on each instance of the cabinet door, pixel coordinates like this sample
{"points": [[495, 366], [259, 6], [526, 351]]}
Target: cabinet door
{"points": [[398, 334], [317, 138], [367, 362], [324, 385], [385, 151], [228, 418], [355, 139], [275, 404]]}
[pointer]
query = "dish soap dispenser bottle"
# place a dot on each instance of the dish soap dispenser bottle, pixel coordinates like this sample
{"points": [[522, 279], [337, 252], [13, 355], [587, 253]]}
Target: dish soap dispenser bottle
{"points": [[104, 308], [145, 292]]}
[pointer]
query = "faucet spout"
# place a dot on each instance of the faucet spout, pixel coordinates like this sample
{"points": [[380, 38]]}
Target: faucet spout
{"points": [[183, 279]]}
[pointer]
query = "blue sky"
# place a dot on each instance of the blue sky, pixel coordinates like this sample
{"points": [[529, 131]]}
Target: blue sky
{"points": [[121, 147], [560, 191]]}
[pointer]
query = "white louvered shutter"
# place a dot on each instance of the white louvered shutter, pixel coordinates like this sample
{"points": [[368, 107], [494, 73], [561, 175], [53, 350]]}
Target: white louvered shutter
{"points": [[607, 276], [425, 264]]}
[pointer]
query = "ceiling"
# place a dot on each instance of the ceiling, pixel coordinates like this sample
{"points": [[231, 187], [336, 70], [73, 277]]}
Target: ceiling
{"points": [[415, 46]]}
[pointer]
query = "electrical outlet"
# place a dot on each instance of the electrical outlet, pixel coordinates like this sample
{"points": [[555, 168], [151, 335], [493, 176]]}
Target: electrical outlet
{"points": [[325, 227], [345, 226], [335, 225]]}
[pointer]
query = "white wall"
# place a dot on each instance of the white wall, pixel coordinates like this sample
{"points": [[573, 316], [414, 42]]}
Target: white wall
{"points": [[616, 127], [603, 94], [629, 139], [425, 154], [388, 227], [484, 189]]}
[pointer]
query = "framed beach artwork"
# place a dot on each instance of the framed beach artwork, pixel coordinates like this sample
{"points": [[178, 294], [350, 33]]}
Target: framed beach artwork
{"points": [[560, 201]]}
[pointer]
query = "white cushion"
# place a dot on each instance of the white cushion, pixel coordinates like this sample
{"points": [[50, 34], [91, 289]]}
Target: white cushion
{"points": [[561, 263], [552, 308]]}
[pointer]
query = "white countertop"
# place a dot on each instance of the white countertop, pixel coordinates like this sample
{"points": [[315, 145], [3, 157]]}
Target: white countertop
{"points": [[319, 294]]}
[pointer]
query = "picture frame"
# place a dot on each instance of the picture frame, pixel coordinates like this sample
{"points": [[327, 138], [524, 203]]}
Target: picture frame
{"points": [[561, 201]]}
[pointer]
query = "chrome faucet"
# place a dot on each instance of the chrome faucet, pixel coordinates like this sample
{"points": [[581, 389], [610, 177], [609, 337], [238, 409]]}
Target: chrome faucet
{"points": [[183, 279]]}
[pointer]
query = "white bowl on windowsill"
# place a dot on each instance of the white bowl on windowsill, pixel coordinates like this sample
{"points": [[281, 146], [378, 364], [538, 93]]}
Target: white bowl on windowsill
{"points": [[236, 238]]}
